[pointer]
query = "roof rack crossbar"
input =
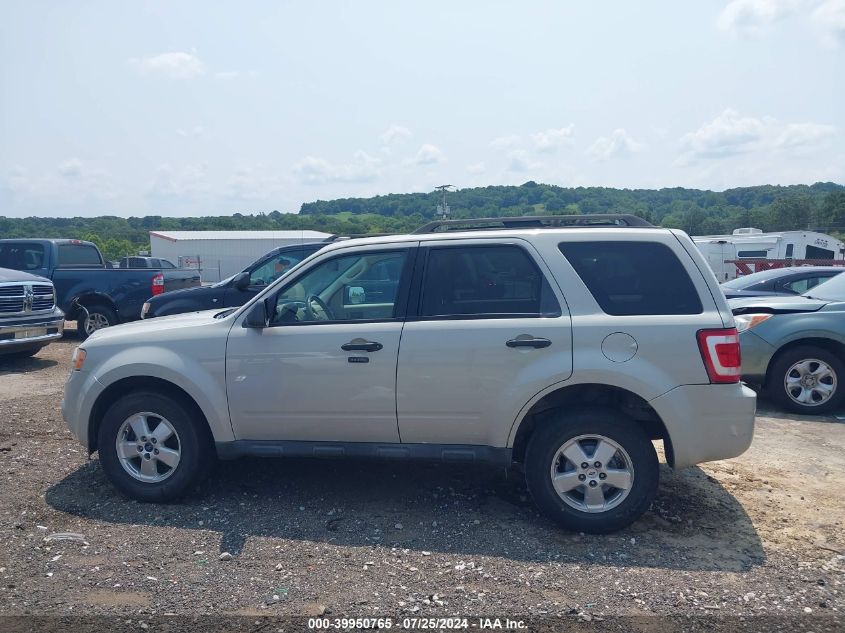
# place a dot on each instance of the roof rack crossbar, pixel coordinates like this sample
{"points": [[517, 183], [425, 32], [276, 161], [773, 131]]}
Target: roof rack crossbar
{"points": [[591, 220]]}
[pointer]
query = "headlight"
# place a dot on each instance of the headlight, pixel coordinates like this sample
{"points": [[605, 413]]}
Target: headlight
{"points": [[78, 359], [747, 321]]}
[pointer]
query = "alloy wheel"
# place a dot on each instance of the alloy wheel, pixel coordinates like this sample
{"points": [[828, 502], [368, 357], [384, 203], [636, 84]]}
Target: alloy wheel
{"points": [[810, 382], [148, 447], [592, 473]]}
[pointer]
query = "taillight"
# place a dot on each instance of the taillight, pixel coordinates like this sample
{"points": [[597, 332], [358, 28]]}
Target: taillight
{"points": [[158, 284], [720, 353]]}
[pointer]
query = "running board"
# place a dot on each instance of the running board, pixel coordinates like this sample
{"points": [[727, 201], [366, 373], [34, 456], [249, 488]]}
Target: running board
{"points": [[368, 450]]}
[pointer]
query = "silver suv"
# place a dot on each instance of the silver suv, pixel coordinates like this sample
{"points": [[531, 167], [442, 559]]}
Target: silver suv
{"points": [[566, 345]]}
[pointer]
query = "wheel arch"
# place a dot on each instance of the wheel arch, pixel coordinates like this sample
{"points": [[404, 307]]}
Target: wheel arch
{"points": [[91, 299], [585, 395], [126, 386], [822, 342]]}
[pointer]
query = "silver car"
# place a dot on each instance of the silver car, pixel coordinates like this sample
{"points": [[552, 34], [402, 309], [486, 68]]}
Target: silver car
{"points": [[565, 344]]}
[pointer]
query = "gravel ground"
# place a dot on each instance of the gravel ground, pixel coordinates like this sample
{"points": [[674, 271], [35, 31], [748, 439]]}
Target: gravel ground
{"points": [[758, 535]]}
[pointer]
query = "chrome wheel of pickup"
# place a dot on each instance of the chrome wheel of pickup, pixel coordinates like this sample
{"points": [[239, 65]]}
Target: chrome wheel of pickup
{"points": [[592, 473], [94, 322], [148, 447], [810, 382]]}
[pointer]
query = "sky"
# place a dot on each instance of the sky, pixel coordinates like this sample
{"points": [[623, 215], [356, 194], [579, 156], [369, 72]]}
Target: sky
{"points": [[210, 108]]}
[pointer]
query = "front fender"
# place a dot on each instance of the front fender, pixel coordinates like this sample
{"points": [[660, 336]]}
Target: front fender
{"points": [[203, 378]]}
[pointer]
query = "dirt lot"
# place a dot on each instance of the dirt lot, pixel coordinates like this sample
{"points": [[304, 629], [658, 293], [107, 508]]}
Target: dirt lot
{"points": [[760, 534]]}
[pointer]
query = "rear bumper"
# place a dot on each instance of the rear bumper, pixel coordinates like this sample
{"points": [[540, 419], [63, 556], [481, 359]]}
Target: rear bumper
{"points": [[707, 422], [30, 331]]}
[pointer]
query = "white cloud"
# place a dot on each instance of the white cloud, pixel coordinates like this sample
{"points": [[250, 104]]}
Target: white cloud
{"points": [[829, 18], [174, 65], [803, 134], [726, 135], [511, 140], [316, 171], [753, 14], [730, 134], [551, 139], [519, 161], [71, 169], [183, 182], [428, 154], [619, 143], [252, 183], [476, 168], [394, 134], [195, 131]]}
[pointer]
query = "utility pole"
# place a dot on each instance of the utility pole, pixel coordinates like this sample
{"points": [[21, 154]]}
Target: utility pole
{"points": [[443, 207]]}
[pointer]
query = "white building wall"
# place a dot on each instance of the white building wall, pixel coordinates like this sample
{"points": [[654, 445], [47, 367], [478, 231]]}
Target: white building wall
{"points": [[220, 258]]}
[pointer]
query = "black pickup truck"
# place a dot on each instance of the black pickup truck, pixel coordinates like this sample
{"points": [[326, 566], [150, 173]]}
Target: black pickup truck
{"points": [[88, 289]]}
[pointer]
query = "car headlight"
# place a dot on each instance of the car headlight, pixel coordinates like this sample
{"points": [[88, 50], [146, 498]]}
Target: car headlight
{"points": [[78, 359], [747, 321]]}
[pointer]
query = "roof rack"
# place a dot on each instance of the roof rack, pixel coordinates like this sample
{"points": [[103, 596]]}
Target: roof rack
{"points": [[536, 222]]}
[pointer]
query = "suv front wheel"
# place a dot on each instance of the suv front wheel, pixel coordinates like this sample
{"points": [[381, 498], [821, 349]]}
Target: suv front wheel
{"points": [[154, 448], [592, 470]]}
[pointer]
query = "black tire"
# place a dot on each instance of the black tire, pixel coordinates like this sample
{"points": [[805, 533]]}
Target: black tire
{"points": [[775, 381], [542, 451], [194, 440], [96, 312]]}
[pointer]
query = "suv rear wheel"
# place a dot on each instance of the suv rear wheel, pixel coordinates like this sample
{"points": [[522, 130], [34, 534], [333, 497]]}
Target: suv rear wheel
{"points": [[152, 447], [807, 379], [592, 470]]}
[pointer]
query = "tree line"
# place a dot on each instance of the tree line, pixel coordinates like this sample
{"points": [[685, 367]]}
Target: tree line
{"points": [[820, 206]]}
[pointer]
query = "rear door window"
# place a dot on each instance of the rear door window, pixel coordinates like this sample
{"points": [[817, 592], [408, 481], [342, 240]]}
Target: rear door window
{"points": [[485, 282], [633, 278]]}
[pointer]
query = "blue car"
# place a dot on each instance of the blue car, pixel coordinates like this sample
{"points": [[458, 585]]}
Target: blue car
{"points": [[793, 347]]}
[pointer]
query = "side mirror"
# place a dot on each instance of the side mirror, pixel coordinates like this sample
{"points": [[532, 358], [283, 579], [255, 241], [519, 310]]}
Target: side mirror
{"points": [[355, 295], [256, 317], [241, 281]]}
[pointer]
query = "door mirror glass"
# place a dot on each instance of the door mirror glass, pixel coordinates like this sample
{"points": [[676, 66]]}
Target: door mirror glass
{"points": [[355, 295], [241, 281], [257, 316]]}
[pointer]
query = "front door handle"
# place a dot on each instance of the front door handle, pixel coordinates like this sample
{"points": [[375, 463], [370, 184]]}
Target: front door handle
{"points": [[361, 346], [536, 343]]}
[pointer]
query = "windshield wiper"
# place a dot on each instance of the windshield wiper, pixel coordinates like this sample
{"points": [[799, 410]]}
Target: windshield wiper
{"points": [[225, 313]]}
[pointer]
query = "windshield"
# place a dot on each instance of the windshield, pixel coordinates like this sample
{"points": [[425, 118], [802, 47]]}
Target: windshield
{"points": [[832, 289]]}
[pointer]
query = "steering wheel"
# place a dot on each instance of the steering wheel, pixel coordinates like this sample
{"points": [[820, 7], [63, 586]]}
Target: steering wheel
{"points": [[312, 315]]}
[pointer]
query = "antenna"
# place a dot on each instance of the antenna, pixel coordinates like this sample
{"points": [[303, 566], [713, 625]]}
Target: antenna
{"points": [[443, 207]]}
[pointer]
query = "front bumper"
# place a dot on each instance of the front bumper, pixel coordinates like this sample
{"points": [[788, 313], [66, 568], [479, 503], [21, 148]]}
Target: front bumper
{"points": [[756, 355], [707, 422], [24, 332], [81, 392]]}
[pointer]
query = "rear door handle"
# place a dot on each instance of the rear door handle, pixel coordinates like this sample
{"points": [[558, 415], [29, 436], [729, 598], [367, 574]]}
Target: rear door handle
{"points": [[536, 343], [362, 346]]}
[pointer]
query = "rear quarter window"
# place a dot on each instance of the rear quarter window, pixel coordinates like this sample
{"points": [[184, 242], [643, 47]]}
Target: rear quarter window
{"points": [[633, 278]]}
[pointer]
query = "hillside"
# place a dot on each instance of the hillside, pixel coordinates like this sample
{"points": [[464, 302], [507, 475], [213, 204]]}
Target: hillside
{"points": [[698, 212]]}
